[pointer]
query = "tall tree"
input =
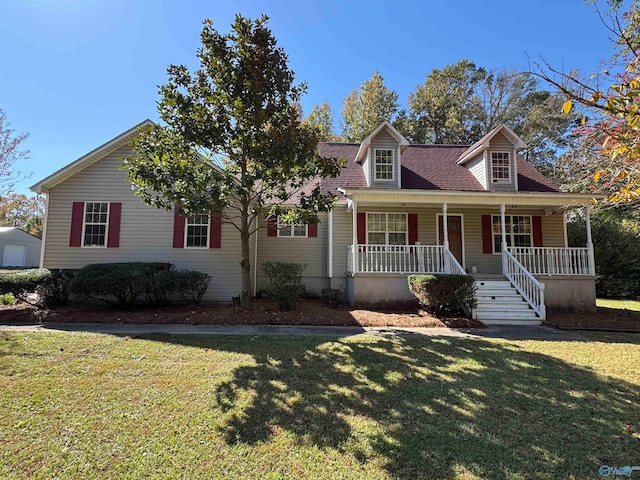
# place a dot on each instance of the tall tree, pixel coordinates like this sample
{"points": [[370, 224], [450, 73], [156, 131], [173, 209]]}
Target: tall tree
{"points": [[10, 153], [367, 107], [445, 108], [611, 131], [233, 142], [19, 210], [321, 118]]}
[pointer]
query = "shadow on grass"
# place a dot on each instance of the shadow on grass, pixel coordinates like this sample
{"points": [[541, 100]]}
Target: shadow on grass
{"points": [[431, 408]]}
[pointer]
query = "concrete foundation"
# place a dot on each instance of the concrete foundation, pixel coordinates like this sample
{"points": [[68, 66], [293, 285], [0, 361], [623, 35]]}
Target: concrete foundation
{"points": [[378, 290], [573, 293]]}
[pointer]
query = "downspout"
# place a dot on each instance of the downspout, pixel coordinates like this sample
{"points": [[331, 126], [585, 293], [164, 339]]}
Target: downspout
{"points": [[255, 261], [355, 237], [330, 233], [43, 244], [503, 223]]}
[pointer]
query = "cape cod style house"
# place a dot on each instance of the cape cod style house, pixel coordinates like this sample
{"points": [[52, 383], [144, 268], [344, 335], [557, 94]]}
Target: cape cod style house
{"points": [[400, 209]]}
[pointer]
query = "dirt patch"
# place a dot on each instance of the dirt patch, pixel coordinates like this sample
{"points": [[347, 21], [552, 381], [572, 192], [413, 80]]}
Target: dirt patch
{"points": [[603, 318], [261, 312]]}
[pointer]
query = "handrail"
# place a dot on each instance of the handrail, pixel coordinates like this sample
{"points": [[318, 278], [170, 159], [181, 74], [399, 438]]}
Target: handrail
{"points": [[554, 260], [397, 258], [452, 265], [525, 283]]}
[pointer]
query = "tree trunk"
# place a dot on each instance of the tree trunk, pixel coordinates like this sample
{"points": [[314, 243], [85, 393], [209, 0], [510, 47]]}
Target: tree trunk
{"points": [[245, 295]]}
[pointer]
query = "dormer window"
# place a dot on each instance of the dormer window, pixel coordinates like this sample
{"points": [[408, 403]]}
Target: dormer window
{"points": [[383, 164], [500, 167]]}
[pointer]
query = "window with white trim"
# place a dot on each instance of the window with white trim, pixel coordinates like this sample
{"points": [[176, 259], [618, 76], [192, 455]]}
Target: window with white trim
{"points": [[197, 231], [500, 167], [286, 229], [387, 228], [518, 229], [383, 164], [96, 216]]}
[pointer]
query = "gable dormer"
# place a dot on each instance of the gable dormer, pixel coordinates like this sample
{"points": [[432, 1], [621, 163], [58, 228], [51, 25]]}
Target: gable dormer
{"points": [[380, 156], [492, 159]]}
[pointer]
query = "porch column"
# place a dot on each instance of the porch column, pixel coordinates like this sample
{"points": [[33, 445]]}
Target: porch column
{"points": [[503, 229], [592, 262], [355, 237], [445, 226]]}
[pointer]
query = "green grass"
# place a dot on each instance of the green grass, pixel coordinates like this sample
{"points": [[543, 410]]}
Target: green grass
{"points": [[632, 305], [80, 405]]}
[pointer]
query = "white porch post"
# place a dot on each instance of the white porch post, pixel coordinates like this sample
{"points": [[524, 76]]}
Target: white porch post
{"points": [[592, 262], [445, 226], [503, 227], [330, 234], [355, 236]]}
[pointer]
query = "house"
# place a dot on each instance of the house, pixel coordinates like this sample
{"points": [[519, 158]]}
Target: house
{"points": [[400, 209], [19, 248]]}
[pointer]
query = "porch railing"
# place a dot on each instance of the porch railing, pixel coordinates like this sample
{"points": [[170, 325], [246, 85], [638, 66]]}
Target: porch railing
{"points": [[403, 259], [554, 261], [525, 283]]}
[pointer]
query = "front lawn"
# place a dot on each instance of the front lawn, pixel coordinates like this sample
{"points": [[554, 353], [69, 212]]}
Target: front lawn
{"points": [[632, 305], [79, 405]]}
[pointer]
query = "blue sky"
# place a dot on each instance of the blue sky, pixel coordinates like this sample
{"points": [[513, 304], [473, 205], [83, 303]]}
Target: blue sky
{"points": [[76, 73]]}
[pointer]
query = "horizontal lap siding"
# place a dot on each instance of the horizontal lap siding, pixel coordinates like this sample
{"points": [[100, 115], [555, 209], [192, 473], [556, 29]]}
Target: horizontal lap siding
{"points": [[342, 238], [478, 168], [311, 251], [146, 233], [383, 140]]}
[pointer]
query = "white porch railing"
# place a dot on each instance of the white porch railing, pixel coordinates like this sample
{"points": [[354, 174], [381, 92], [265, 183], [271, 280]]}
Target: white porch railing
{"points": [[403, 259], [525, 283], [554, 261]]}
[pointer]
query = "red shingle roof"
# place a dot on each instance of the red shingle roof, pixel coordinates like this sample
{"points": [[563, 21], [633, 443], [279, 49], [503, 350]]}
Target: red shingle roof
{"points": [[427, 167]]}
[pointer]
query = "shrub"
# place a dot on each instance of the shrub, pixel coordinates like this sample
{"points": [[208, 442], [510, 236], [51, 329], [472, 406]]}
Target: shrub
{"points": [[54, 288], [8, 299], [440, 293], [189, 285], [119, 283], [285, 283], [22, 283], [332, 296]]}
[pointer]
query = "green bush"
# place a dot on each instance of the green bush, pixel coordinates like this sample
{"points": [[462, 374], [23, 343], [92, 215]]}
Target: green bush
{"points": [[8, 299], [443, 293], [332, 296], [23, 283], [189, 285], [285, 283], [54, 288], [122, 284]]}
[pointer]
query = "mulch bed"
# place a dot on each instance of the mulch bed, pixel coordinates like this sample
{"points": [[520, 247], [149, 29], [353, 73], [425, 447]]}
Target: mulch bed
{"points": [[261, 312], [602, 319]]}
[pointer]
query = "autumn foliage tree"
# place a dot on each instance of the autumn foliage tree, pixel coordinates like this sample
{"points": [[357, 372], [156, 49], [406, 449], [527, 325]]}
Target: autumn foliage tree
{"points": [[10, 153], [232, 141]]}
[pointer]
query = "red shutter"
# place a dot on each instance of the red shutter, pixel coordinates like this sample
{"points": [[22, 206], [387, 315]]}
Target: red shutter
{"points": [[215, 225], [312, 228], [113, 239], [75, 236], [178, 230], [413, 228], [536, 226], [362, 228], [272, 226], [487, 234]]}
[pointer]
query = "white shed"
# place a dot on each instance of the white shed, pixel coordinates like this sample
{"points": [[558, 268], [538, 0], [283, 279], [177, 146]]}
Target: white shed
{"points": [[19, 248]]}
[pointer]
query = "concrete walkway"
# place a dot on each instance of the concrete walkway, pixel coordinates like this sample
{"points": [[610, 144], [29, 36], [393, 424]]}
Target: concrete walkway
{"points": [[506, 332]]}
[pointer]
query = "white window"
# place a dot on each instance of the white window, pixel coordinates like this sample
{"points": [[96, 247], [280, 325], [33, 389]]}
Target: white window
{"points": [[383, 164], [96, 216], [518, 228], [387, 228], [500, 167], [292, 229], [197, 231]]}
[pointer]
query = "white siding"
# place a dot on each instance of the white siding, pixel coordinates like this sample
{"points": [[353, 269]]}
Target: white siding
{"points": [[500, 143], [146, 233], [15, 236]]}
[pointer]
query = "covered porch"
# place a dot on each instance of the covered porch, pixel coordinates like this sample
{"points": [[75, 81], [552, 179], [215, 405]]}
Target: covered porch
{"points": [[521, 236]]}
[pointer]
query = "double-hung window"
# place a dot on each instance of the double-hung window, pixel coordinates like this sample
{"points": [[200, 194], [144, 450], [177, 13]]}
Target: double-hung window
{"points": [[518, 230], [197, 231], [292, 229], [387, 228], [383, 164], [500, 167], [95, 224]]}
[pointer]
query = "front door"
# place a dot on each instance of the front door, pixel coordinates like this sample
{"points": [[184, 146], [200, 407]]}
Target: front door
{"points": [[455, 235]]}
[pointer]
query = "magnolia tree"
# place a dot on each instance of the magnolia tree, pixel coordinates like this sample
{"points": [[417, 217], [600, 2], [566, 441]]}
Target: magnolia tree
{"points": [[232, 141]]}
